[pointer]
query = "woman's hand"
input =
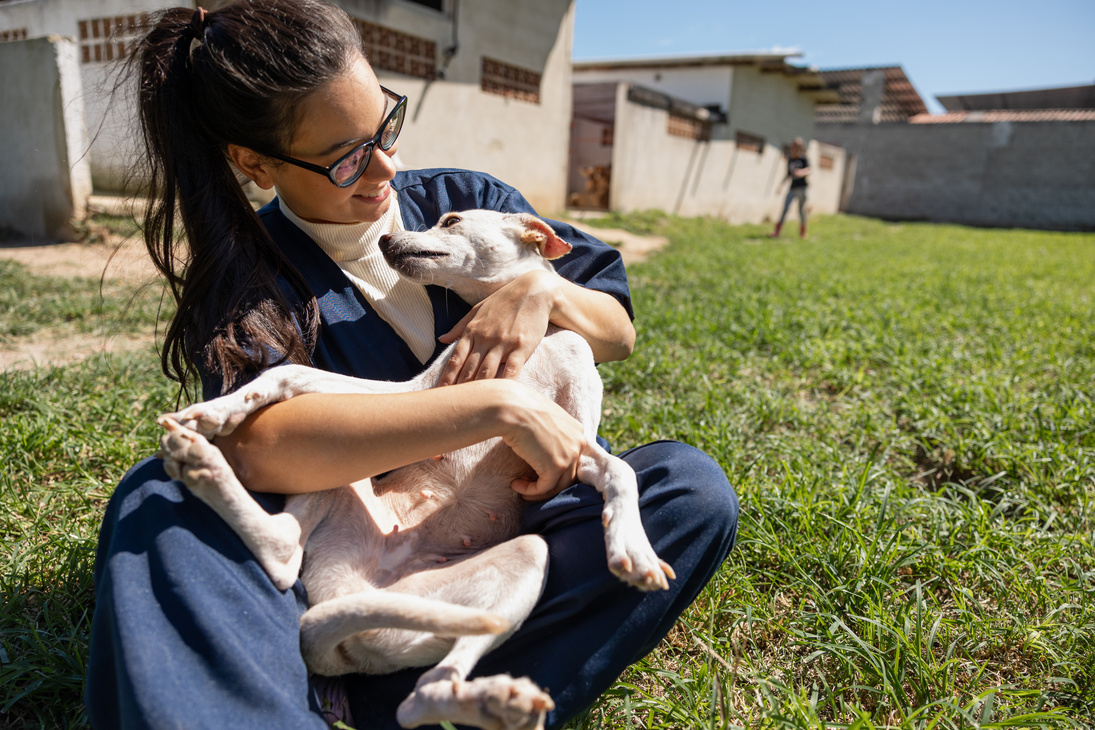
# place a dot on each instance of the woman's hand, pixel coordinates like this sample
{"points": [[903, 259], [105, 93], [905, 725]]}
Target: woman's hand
{"points": [[549, 439], [497, 337]]}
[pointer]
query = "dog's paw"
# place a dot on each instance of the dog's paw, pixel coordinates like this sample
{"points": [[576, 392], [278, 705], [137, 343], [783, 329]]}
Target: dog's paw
{"points": [[631, 558], [189, 457], [500, 702]]}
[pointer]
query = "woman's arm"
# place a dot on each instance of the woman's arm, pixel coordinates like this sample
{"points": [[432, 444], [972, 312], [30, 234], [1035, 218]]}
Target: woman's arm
{"points": [[499, 334], [321, 441]]}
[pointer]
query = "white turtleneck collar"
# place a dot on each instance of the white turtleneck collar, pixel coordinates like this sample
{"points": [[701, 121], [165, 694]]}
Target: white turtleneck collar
{"points": [[355, 248]]}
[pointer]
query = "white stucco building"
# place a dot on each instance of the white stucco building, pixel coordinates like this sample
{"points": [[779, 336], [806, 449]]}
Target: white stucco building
{"points": [[700, 135]]}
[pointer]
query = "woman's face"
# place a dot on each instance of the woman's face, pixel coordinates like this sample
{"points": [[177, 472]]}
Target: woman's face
{"points": [[338, 116]]}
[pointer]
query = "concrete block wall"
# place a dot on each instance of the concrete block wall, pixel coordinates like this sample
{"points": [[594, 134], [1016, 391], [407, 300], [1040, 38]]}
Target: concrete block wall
{"points": [[1009, 174], [45, 180]]}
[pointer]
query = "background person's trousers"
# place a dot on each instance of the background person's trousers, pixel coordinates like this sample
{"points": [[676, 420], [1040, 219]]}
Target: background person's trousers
{"points": [[189, 632], [794, 194]]}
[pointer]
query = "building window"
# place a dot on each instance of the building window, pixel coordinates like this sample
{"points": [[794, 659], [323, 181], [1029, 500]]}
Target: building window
{"points": [[506, 80], [681, 126], [109, 39], [825, 162], [402, 53], [431, 4], [16, 34], [750, 142]]}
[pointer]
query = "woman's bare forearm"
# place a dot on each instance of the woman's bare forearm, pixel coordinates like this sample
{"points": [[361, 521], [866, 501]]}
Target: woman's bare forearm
{"points": [[321, 441], [598, 317]]}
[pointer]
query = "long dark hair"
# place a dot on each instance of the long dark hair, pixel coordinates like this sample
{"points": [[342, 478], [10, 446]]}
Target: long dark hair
{"points": [[236, 75]]}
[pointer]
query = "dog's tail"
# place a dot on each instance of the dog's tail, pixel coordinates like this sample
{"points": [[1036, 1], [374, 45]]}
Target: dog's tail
{"points": [[326, 625]]}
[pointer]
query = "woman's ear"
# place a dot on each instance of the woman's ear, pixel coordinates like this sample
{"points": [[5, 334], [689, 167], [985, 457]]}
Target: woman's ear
{"points": [[251, 164]]}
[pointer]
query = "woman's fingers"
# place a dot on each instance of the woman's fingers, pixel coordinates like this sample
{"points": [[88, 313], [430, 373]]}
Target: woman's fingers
{"points": [[551, 441]]}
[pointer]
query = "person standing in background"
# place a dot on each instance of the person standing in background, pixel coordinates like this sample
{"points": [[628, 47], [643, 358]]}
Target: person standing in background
{"points": [[797, 169]]}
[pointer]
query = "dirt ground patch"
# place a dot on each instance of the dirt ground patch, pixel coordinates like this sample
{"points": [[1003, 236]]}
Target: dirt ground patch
{"points": [[109, 256], [633, 247], [114, 257]]}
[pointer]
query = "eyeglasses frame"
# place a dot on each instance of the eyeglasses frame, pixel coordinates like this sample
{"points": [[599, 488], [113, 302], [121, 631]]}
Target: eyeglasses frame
{"points": [[328, 172]]}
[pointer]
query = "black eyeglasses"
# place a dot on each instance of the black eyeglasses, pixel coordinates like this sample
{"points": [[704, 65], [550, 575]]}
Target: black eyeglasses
{"points": [[347, 169]]}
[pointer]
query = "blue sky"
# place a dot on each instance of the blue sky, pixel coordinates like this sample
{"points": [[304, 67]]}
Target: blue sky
{"points": [[945, 46]]}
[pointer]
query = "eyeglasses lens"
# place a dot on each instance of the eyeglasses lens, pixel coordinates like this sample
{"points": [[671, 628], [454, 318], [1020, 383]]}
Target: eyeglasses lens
{"points": [[391, 129], [352, 166], [350, 169]]}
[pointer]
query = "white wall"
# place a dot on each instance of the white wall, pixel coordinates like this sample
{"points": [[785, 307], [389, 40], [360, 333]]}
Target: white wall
{"points": [[652, 169], [702, 86], [825, 186], [770, 105], [45, 179]]}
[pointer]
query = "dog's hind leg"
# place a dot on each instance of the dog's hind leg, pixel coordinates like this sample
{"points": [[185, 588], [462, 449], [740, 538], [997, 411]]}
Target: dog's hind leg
{"points": [[368, 631], [499, 702], [631, 557], [508, 579], [274, 540]]}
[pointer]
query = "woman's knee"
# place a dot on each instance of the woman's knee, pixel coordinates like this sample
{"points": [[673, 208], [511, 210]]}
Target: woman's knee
{"points": [[689, 482]]}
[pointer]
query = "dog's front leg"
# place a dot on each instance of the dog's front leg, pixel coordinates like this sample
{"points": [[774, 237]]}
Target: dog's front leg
{"points": [[631, 557]]}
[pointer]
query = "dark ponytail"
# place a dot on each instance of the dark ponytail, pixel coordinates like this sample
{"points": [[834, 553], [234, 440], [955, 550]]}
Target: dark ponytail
{"points": [[206, 80]]}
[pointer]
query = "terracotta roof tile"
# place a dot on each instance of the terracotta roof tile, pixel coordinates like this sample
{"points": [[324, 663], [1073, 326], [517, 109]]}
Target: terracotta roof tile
{"points": [[1007, 115]]}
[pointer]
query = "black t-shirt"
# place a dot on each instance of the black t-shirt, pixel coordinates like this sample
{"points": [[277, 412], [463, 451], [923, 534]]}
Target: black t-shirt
{"points": [[797, 163]]}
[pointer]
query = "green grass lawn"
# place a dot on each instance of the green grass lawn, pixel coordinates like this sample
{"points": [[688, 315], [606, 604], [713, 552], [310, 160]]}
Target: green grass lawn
{"points": [[906, 412]]}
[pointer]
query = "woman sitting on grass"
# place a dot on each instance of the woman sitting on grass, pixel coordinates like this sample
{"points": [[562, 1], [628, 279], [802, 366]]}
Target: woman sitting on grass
{"points": [[188, 630]]}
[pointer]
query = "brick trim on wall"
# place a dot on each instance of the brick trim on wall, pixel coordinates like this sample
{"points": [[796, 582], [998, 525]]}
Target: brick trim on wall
{"points": [[505, 79], [108, 39], [393, 50]]}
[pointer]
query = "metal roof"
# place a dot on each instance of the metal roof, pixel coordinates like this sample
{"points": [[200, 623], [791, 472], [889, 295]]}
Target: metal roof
{"points": [[686, 60], [1065, 97]]}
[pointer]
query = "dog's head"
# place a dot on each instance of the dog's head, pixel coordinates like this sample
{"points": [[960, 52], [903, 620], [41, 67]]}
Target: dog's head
{"points": [[474, 252]]}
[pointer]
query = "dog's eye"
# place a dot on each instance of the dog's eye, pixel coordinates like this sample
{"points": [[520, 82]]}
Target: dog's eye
{"points": [[450, 221]]}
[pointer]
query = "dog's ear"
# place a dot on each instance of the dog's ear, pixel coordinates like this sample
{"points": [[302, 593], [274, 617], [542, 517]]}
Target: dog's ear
{"points": [[540, 235]]}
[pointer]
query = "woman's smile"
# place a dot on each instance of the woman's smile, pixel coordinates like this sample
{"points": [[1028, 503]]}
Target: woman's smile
{"points": [[375, 196]]}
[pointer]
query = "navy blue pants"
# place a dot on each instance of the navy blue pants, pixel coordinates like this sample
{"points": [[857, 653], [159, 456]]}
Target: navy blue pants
{"points": [[189, 632]]}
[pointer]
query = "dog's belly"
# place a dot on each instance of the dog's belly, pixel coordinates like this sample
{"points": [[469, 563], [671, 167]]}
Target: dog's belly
{"points": [[413, 519]]}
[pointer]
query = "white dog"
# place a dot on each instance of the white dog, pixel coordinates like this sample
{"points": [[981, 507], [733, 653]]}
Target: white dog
{"points": [[424, 564]]}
